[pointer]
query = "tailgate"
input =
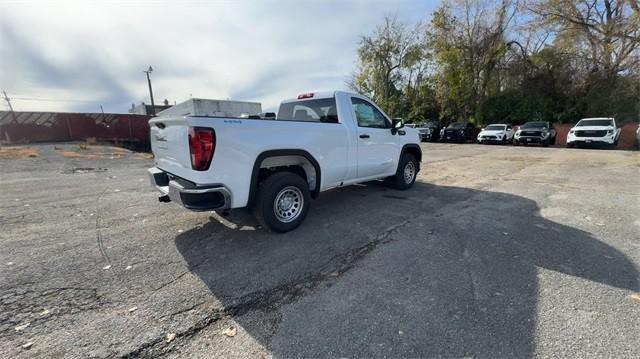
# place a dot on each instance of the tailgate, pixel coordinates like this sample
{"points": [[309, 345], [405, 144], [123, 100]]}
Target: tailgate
{"points": [[170, 145]]}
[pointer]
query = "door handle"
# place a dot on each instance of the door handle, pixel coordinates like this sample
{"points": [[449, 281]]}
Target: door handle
{"points": [[364, 136]]}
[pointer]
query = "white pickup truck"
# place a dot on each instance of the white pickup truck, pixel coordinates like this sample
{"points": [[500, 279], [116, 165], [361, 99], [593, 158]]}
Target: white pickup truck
{"points": [[318, 141]]}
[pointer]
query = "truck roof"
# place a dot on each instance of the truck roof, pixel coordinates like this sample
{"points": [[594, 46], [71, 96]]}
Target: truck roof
{"points": [[319, 95]]}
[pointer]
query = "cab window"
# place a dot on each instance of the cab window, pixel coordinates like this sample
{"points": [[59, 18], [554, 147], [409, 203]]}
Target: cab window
{"points": [[315, 110], [367, 115]]}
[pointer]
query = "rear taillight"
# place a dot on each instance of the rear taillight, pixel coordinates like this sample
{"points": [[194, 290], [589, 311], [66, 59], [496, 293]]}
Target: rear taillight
{"points": [[202, 144]]}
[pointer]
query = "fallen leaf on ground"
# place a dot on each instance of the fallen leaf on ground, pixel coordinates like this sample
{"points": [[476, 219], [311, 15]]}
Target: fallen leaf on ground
{"points": [[230, 332], [128, 267], [107, 267], [133, 309], [22, 326], [44, 312], [334, 274], [27, 345], [635, 296], [170, 337]]}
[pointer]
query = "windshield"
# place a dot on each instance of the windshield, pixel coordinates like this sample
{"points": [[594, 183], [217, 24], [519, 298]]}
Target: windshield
{"points": [[495, 128], [535, 125], [594, 123], [458, 125]]}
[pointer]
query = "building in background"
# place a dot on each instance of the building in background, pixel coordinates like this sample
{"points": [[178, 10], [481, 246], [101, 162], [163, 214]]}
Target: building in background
{"points": [[145, 109], [216, 108]]}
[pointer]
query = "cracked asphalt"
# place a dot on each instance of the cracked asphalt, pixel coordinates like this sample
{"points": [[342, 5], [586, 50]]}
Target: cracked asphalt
{"points": [[496, 252]]}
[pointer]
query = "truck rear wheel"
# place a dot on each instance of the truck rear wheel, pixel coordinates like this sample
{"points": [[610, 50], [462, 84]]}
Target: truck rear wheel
{"points": [[407, 171], [283, 202]]}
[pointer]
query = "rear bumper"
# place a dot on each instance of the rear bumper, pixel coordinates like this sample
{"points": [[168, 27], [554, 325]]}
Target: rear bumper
{"points": [[190, 196]]}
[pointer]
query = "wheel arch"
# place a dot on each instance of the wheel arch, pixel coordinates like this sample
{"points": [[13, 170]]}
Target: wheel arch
{"points": [[413, 149], [283, 153]]}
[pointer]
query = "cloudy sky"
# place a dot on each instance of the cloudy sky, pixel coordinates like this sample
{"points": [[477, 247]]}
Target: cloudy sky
{"points": [[76, 56]]}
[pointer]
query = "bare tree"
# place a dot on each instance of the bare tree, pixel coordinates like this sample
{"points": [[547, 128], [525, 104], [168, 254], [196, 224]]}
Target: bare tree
{"points": [[606, 32]]}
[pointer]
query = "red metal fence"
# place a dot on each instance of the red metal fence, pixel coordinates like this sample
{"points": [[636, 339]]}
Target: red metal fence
{"points": [[25, 127]]}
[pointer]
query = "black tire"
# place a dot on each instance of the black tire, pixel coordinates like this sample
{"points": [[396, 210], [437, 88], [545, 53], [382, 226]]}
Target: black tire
{"points": [[296, 190], [515, 142], [546, 142], [401, 182], [504, 140]]}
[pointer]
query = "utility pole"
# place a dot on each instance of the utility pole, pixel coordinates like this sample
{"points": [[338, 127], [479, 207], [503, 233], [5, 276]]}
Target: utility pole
{"points": [[153, 105], [6, 98]]}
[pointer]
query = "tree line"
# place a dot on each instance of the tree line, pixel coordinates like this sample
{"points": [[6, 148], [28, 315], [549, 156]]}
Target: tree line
{"points": [[506, 61]]}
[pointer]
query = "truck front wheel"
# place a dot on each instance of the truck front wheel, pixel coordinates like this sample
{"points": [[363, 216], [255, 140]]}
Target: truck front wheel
{"points": [[283, 202], [406, 173]]}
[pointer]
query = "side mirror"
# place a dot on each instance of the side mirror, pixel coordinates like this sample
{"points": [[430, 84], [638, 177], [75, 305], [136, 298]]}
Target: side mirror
{"points": [[396, 124]]}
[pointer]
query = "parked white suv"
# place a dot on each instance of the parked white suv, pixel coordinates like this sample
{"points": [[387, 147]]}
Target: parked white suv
{"points": [[496, 133], [600, 130], [318, 141]]}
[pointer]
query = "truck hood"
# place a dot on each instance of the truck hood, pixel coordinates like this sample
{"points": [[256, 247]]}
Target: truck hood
{"points": [[492, 132]]}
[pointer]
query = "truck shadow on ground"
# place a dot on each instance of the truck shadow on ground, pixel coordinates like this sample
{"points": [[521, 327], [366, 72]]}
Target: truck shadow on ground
{"points": [[433, 271]]}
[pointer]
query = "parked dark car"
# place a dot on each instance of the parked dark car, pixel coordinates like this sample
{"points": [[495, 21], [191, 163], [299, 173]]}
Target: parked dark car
{"points": [[432, 130], [535, 132], [460, 132]]}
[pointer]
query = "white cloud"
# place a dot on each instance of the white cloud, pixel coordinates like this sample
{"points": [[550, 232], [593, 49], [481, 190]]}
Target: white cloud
{"points": [[262, 51]]}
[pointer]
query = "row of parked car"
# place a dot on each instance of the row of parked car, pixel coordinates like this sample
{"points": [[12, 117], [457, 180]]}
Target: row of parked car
{"points": [[595, 131]]}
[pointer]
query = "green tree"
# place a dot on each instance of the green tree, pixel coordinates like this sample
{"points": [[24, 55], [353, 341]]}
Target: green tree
{"points": [[468, 42]]}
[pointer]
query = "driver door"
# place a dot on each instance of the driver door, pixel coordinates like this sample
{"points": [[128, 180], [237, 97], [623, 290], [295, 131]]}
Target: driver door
{"points": [[377, 148]]}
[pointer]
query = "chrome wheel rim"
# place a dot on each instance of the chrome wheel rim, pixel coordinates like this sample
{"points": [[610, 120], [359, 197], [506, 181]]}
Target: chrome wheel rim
{"points": [[409, 172], [288, 204]]}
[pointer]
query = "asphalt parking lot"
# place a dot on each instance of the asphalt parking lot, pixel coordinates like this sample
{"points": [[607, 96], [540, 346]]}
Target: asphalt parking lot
{"points": [[496, 252]]}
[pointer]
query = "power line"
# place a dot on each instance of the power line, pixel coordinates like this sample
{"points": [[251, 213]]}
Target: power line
{"points": [[48, 99]]}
